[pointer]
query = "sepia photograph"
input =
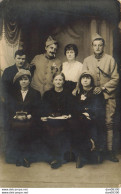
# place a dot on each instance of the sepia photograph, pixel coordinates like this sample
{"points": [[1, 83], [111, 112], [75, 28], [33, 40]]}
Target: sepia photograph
{"points": [[60, 94]]}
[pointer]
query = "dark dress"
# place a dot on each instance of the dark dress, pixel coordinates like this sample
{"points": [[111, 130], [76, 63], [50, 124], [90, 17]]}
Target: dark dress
{"points": [[70, 86], [92, 127], [56, 104], [22, 134]]}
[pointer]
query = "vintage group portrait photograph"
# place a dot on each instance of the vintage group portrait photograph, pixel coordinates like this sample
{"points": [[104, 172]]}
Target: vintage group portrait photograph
{"points": [[60, 94]]}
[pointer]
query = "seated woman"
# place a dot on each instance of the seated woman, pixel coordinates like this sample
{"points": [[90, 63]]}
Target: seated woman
{"points": [[56, 113], [71, 68], [88, 130], [24, 112]]}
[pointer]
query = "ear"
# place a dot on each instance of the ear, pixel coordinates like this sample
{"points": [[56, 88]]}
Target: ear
{"points": [[45, 47]]}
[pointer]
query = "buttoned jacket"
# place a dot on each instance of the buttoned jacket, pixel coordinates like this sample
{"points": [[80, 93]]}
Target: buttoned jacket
{"points": [[104, 72], [43, 74]]}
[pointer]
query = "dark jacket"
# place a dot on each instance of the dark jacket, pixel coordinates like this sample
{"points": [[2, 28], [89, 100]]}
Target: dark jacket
{"points": [[93, 104], [31, 104], [7, 80]]}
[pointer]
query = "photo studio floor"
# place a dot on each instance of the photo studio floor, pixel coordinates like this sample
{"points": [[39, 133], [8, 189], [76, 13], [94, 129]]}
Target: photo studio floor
{"points": [[40, 175]]}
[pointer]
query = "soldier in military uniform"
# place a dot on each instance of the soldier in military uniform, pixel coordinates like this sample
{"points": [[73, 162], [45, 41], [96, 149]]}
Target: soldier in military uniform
{"points": [[104, 70], [46, 65]]}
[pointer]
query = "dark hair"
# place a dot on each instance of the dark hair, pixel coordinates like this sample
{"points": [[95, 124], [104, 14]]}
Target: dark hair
{"points": [[58, 73], [20, 52], [100, 39], [86, 75], [71, 47]]}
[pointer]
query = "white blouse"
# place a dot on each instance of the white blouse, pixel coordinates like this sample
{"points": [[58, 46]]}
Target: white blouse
{"points": [[24, 93], [72, 71]]}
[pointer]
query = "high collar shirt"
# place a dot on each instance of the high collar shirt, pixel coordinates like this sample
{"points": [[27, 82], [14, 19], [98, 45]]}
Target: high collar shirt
{"points": [[72, 71], [24, 93]]}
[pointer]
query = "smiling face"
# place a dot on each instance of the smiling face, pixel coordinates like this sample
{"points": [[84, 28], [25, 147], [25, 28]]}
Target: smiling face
{"points": [[24, 82], [70, 54], [58, 81], [20, 60], [51, 50], [86, 81], [98, 47]]}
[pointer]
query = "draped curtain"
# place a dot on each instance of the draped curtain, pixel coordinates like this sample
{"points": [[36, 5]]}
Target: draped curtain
{"points": [[80, 33], [9, 43]]}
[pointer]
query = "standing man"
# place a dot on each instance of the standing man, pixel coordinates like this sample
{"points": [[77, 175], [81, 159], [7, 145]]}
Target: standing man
{"points": [[10, 72], [46, 65], [104, 70]]}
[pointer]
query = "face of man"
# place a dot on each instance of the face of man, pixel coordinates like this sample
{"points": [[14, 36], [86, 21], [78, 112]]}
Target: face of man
{"points": [[24, 82], [20, 60], [58, 81], [98, 47], [51, 50]]}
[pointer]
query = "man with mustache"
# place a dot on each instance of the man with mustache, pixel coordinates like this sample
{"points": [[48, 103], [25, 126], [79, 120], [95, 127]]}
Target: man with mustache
{"points": [[46, 65], [104, 70]]}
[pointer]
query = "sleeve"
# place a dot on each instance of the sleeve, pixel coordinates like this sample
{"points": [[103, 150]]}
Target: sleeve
{"points": [[5, 84], [85, 65], [34, 61], [59, 66], [37, 106], [31, 67], [111, 85], [46, 107], [80, 67]]}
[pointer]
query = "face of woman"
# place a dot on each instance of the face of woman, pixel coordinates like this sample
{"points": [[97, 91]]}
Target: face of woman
{"points": [[58, 81], [86, 81], [70, 54], [24, 82]]}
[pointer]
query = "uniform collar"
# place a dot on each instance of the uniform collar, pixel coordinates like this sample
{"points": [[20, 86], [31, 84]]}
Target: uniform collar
{"points": [[49, 58], [99, 56]]}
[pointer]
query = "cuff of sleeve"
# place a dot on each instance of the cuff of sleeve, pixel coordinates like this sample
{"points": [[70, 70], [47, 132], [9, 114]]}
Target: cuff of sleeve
{"points": [[104, 89]]}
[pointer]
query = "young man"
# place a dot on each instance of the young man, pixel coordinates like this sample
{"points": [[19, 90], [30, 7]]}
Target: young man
{"points": [[10, 72], [46, 65], [104, 70]]}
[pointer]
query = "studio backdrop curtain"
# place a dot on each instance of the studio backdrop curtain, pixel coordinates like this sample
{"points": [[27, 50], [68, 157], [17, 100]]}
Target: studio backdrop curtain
{"points": [[80, 33], [9, 43]]}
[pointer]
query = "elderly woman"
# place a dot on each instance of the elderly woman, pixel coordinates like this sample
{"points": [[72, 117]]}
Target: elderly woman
{"points": [[23, 107], [57, 109], [71, 68], [88, 128]]}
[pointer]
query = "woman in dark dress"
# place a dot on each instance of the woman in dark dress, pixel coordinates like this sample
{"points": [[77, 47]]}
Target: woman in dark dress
{"points": [[24, 113], [88, 129], [56, 112]]}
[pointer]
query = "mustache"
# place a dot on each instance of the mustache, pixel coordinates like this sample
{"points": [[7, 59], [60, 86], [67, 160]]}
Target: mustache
{"points": [[53, 53]]}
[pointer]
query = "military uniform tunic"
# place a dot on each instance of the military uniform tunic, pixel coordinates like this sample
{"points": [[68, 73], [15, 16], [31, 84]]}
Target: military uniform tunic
{"points": [[43, 74], [105, 74]]}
